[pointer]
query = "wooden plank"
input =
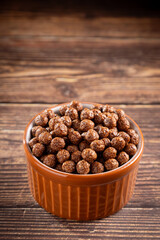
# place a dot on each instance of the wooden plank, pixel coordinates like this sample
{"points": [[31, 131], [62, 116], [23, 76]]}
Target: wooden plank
{"points": [[35, 223], [15, 23], [47, 70]]}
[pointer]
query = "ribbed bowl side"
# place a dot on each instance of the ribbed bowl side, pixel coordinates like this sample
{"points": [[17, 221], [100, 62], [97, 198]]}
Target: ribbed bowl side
{"points": [[81, 203]]}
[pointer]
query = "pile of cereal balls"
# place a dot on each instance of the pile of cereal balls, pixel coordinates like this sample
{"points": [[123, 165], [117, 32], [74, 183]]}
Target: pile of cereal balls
{"points": [[83, 140]]}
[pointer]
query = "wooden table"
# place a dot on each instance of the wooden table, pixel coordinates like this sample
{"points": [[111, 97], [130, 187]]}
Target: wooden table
{"points": [[46, 58]]}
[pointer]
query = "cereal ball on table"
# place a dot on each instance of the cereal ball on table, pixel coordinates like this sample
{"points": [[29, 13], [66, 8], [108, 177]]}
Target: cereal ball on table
{"points": [[49, 160], [86, 114], [41, 120], [91, 135], [60, 130], [38, 149], [76, 156], [83, 167], [63, 155], [89, 155], [45, 138], [69, 166], [109, 153], [86, 124], [77, 105], [97, 167], [118, 143], [123, 157], [57, 144], [72, 113], [111, 164], [131, 149], [98, 145]]}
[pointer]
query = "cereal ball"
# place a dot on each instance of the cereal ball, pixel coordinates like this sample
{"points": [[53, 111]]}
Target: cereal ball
{"points": [[110, 122], [72, 148], [50, 113], [107, 142], [108, 108], [134, 138], [91, 135], [115, 116], [53, 121], [89, 155], [131, 149], [83, 167], [69, 166], [45, 138], [63, 155], [38, 149], [63, 109], [76, 156], [103, 132], [70, 130], [49, 150], [39, 131], [111, 164], [76, 124], [98, 116], [97, 106], [122, 158], [97, 167], [86, 124], [120, 113], [113, 132], [34, 129], [87, 114], [84, 144], [109, 153], [59, 167], [131, 131], [41, 120], [125, 136], [67, 121], [60, 130], [75, 137], [77, 105], [123, 124], [57, 144], [118, 143], [32, 142], [72, 113], [49, 160], [98, 145]]}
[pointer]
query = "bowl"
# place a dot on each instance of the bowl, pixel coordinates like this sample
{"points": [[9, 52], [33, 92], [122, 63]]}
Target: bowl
{"points": [[81, 197]]}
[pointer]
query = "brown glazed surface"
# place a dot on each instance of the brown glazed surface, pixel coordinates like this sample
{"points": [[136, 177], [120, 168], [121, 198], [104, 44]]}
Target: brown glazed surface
{"points": [[82, 197]]}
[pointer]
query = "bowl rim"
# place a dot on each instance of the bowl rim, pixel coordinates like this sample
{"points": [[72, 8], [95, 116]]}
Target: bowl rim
{"points": [[81, 179]]}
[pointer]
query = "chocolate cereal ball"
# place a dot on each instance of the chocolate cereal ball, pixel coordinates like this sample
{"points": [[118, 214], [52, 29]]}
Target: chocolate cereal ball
{"points": [[97, 106], [98, 116], [111, 164], [76, 156], [69, 166], [57, 144], [120, 113], [84, 144], [83, 167], [38, 149], [86, 124], [45, 138], [123, 157], [110, 122], [97, 167], [50, 113], [118, 143], [72, 113], [34, 129], [76, 124], [108, 108], [125, 136], [53, 121], [109, 153], [134, 138], [75, 137], [49, 160], [63, 155], [59, 167], [89, 155], [32, 142], [63, 109], [123, 124], [87, 114], [131, 149], [67, 121], [41, 120], [72, 148], [107, 142], [113, 132], [60, 130], [77, 105], [98, 145], [103, 132], [39, 131], [91, 135]]}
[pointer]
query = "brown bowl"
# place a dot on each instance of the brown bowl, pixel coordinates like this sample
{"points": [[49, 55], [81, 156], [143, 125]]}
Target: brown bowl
{"points": [[81, 197]]}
